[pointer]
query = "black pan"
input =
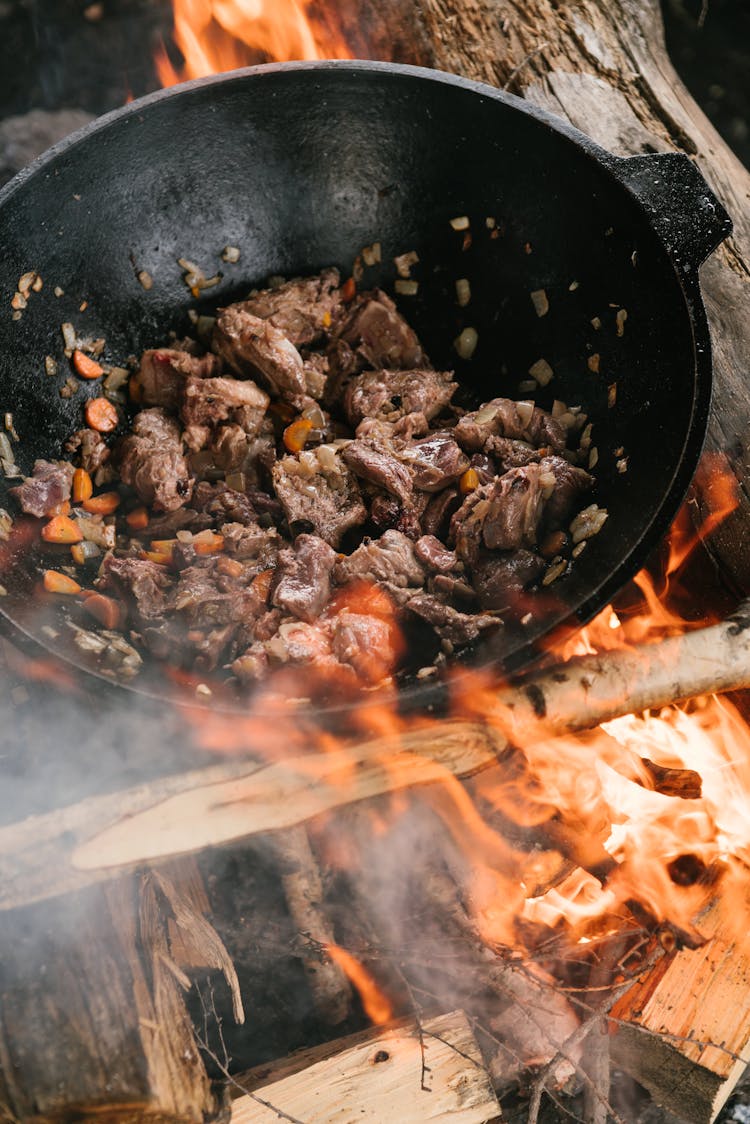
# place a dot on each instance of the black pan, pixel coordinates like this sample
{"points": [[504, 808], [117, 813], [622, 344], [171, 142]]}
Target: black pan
{"points": [[300, 166]]}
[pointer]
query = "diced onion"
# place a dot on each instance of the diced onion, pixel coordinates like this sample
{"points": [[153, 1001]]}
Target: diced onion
{"points": [[541, 371], [6, 450], [460, 223], [611, 394], [528, 386], [372, 254], [69, 336], [486, 413], [525, 413], [145, 279], [540, 302], [466, 343], [406, 288], [463, 292], [620, 318], [404, 262], [231, 254]]}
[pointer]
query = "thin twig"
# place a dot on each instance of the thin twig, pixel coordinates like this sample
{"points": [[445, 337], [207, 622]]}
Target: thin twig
{"points": [[517, 69]]}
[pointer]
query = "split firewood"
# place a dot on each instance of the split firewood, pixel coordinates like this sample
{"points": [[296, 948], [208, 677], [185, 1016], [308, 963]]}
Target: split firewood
{"points": [[684, 1033], [86, 842], [405, 1072], [303, 890], [94, 1022]]}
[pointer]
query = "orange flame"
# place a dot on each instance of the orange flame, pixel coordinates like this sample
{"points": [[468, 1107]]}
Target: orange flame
{"points": [[376, 1005], [219, 35]]}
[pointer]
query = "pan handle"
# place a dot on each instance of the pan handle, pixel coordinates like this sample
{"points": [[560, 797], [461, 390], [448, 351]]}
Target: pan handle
{"points": [[685, 213]]}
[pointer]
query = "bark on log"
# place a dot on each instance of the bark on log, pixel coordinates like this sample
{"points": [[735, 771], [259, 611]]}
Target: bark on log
{"points": [[70, 848], [93, 1023], [602, 65]]}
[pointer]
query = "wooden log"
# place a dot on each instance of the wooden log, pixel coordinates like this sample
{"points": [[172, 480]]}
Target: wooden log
{"points": [[93, 1024], [403, 1073], [86, 842], [683, 1032], [603, 65]]}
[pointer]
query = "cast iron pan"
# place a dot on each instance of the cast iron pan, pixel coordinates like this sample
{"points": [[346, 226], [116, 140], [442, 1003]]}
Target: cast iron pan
{"points": [[300, 166]]}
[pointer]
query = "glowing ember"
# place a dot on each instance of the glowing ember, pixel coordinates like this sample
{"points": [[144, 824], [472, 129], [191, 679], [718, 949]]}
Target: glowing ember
{"points": [[219, 35]]}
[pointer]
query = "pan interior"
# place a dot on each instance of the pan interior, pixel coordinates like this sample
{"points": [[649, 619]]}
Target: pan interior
{"points": [[301, 168]]}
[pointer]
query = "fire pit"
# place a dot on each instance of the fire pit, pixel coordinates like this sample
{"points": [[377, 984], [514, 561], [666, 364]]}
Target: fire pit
{"points": [[492, 890]]}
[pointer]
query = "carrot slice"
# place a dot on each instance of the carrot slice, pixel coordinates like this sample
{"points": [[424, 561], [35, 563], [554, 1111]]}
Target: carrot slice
{"points": [[212, 545], [137, 519], [55, 582], [61, 529], [104, 504], [161, 558], [164, 546], [106, 610], [59, 509], [348, 290], [135, 390], [261, 583], [101, 415], [296, 434], [85, 367], [469, 482], [83, 485]]}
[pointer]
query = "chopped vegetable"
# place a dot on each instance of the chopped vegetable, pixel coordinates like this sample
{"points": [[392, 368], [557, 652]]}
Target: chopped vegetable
{"points": [[157, 556], [208, 542], [50, 366], [61, 529], [18, 302], [406, 288], [611, 394], [540, 302], [83, 551], [466, 343], [165, 546], [105, 609], [463, 292], [104, 504], [137, 519], [262, 584], [296, 434], [62, 508], [371, 254], [460, 223], [620, 318], [69, 337], [145, 279], [404, 262], [83, 485], [101, 415], [593, 362], [541, 371], [231, 254], [469, 481], [349, 290], [55, 582], [230, 566]]}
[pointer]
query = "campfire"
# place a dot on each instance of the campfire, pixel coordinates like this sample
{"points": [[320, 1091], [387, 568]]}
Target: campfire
{"points": [[491, 900]]}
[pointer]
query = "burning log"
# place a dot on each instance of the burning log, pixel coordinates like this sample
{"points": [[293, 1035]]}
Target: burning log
{"points": [[71, 848], [403, 1072]]}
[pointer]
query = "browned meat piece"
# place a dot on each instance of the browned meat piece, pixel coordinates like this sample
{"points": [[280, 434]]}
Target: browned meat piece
{"points": [[223, 504], [516, 504], [48, 486], [207, 649], [183, 519], [385, 511], [144, 585], [94, 450], [391, 395], [230, 447], [374, 462], [253, 347], [365, 643], [434, 462], [509, 453], [207, 599], [431, 552], [503, 418], [304, 585], [570, 484], [499, 579], [252, 544], [152, 462], [439, 510], [208, 401], [389, 559], [302, 643], [485, 467], [504, 514], [379, 334], [324, 500], [303, 309], [164, 370], [449, 623]]}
